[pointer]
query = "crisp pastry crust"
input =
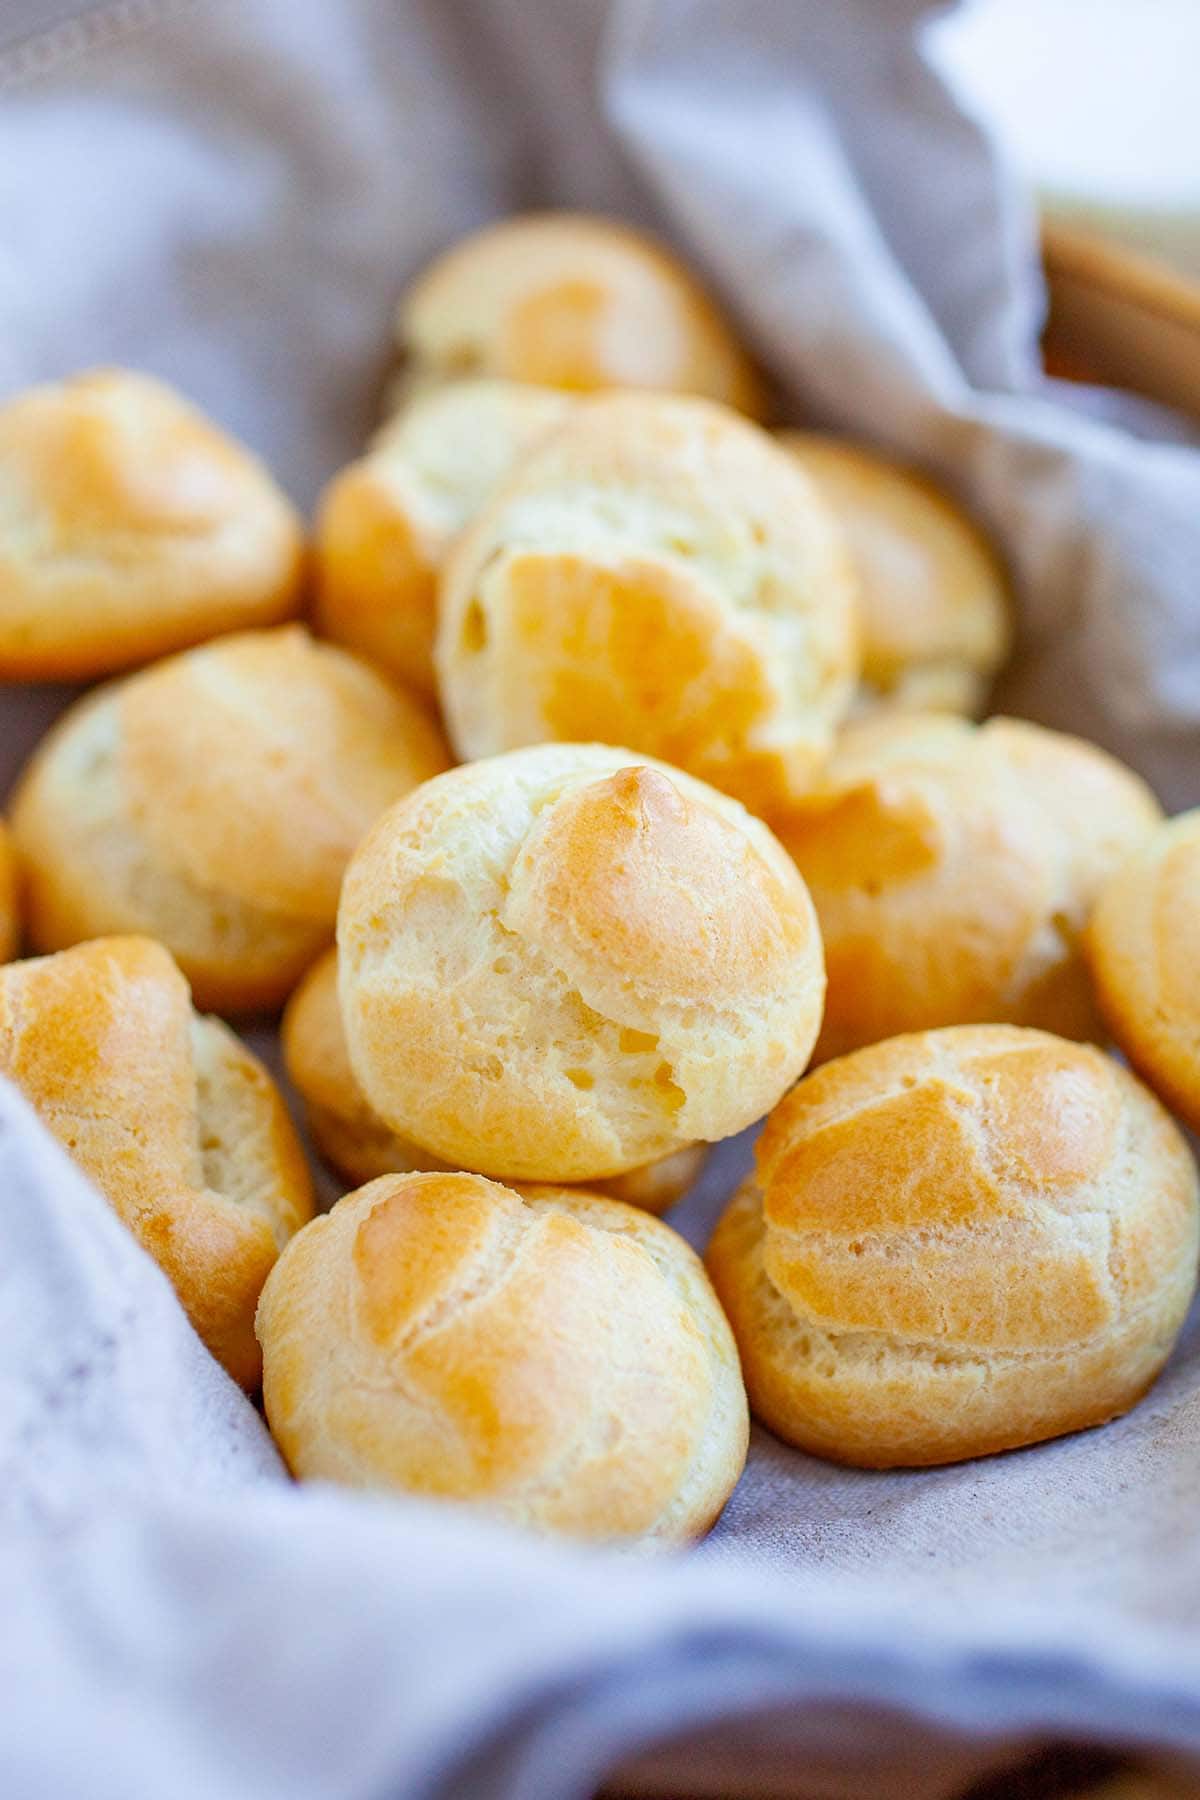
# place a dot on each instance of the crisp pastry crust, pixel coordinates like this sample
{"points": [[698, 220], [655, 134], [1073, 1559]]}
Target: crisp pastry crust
{"points": [[212, 801], [557, 1359], [178, 1125], [934, 601], [954, 868], [656, 573], [956, 1243], [130, 525], [386, 522], [353, 1138], [567, 962], [572, 302], [1144, 951]]}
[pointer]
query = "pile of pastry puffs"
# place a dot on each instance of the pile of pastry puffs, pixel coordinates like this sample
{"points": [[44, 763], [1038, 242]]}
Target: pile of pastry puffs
{"points": [[599, 760]]}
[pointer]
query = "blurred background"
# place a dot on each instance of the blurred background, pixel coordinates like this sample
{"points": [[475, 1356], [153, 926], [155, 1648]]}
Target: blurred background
{"points": [[1100, 100]]}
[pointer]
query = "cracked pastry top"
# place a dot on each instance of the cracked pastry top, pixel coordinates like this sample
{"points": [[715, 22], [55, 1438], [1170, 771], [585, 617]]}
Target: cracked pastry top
{"points": [[956, 1243], [555, 1358], [565, 962]]}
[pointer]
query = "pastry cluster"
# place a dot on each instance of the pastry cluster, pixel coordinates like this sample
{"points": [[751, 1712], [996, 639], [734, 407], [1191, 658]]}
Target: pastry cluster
{"points": [[596, 762]]}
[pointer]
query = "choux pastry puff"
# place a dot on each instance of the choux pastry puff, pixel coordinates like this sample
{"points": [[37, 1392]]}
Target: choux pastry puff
{"points": [[178, 1125], [934, 601], [656, 573], [130, 525], [954, 867], [572, 302], [958, 1242], [356, 1142], [555, 1358], [566, 962], [212, 801], [1144, 950]]}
